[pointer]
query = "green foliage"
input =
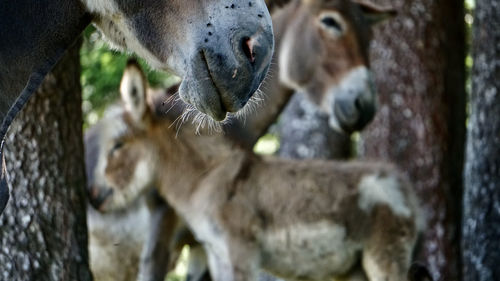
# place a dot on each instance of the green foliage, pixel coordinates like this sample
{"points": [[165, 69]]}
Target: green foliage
{"points": [[180, 270], [268, 144], [102, 69]]}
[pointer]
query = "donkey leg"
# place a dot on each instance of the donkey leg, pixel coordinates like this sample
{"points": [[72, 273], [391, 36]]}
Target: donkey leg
{"points": [[245, 260], [356, 274], [219, 265], [197, 264], [157, 251], [236, 262], [387, 254]]}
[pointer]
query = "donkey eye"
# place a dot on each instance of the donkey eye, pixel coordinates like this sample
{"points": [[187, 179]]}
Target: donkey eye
{"points": [[116, 146], [331, 23]]}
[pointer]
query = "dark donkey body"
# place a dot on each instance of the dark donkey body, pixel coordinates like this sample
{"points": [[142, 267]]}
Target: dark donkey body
{"points": [[205, 42], [28, 51]]}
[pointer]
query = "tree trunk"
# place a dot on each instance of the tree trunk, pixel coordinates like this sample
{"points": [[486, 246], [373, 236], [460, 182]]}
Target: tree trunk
{"points": [[418, 60], [481, 230], [43, 230], [304, 133]]}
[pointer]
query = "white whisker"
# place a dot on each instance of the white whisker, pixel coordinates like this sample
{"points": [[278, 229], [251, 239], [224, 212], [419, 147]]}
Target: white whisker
{"points": [[173, 103], [169, 99], [203, 123]]}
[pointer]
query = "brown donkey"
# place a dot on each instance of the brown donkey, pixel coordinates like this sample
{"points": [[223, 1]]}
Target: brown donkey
{"points": [[142, 240], [322, 51], [308, 220]]}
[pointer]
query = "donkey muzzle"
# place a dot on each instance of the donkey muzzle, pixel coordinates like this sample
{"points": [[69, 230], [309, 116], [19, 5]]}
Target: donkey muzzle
{"points": [[353, 113], [354, 102], [232, 60], [98, 196]]}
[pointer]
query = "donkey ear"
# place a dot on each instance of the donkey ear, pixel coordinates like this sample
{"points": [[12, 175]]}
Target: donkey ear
{"points": [[133, 90], [375, 13]]}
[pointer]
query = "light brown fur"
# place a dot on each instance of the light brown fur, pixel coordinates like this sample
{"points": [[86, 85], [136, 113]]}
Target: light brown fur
{"points": [[116, 235], [308, 220]]}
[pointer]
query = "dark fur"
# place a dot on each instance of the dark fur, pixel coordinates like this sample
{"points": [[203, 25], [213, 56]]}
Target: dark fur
{"points": [[418, 272], [33, 35]]}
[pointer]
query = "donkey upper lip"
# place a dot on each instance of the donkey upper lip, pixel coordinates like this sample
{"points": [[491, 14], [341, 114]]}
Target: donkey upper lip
{"points": [[99, 198], [223, 106]]}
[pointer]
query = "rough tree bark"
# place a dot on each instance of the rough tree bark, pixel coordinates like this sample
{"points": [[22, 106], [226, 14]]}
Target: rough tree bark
{"points": [[418, 59], [481, 229], [43, 231], [304, 133]]}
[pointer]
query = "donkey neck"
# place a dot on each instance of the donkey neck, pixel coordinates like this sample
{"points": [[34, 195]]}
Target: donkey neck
{"points": [[175, 157], [196, 164]]}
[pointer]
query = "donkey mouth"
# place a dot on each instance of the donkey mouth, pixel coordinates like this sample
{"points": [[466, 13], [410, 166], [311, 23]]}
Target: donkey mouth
{"points": [[99, 197], [218, 83], [222, 113]]}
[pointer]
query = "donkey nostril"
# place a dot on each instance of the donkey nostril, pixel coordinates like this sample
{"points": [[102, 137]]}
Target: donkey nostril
{"points": [[357, 104], [98, 197], [247, 47], [92, 191]]}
